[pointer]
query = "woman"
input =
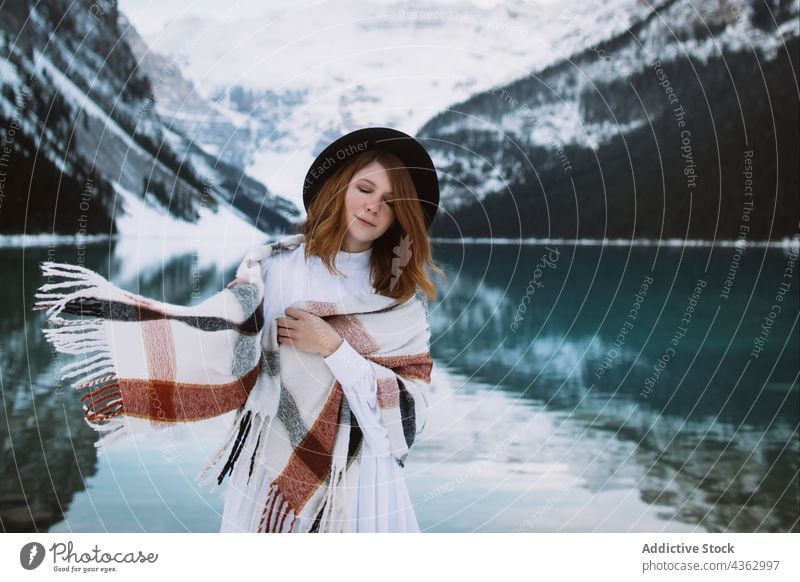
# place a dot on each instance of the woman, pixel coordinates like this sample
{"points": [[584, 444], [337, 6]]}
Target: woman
{"points": [[368, 208], [321, 346]]}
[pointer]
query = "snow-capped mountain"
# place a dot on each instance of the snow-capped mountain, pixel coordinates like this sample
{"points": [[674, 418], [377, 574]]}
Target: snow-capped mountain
{"points": [[223, 132], [683, 126], [304, 74], [87, 152]]}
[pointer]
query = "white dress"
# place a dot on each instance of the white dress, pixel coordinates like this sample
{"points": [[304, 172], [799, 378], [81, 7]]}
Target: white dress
{"points": [[382, 501]]}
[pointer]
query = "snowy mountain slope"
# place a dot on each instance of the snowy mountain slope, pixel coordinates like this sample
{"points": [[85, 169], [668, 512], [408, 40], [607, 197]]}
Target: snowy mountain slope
{"points": [[306, 74], [78, 116], [223, 132], [190, 119], [643, 135]]}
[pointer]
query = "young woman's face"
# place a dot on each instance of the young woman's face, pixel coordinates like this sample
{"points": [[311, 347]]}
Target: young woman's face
{"points": [[368, 207]]}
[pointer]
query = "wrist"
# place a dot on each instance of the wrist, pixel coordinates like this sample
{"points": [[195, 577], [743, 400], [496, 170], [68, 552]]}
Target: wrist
{"points": [[331, 345]]}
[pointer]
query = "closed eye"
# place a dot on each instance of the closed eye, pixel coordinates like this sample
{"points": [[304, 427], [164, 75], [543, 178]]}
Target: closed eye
{"points": [[389, 202]]}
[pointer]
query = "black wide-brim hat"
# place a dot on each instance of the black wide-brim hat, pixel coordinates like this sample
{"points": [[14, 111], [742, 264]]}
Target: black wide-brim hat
{"points": [[409, 150]]}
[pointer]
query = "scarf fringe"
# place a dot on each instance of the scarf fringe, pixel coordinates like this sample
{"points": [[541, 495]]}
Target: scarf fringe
{"points": [[253, 457], [202, 478], [102, 356], [102, 403], [331, 520], [278, 515], [78, 340], [87, 284], [113, 431], [335, 510], [244, 425]]}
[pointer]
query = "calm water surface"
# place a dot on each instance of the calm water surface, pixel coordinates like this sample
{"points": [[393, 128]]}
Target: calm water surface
{"points": [[575, 389]]}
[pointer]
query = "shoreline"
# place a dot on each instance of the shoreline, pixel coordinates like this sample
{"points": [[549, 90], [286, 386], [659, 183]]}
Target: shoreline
{"points": [[641, 242], [40, 240]]}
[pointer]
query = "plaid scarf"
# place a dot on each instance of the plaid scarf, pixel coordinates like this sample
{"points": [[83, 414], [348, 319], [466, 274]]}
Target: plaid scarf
{"points": [[171, 363]]}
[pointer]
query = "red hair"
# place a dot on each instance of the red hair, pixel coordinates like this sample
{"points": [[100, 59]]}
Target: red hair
{"points": [[400, 255]]}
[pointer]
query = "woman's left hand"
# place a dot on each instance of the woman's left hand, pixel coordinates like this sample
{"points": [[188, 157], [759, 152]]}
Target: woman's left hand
{"points": [[307, 332]]}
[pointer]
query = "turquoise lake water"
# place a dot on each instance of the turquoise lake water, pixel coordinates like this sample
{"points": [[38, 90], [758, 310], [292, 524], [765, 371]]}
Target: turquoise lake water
{"points": [[575, 389]]}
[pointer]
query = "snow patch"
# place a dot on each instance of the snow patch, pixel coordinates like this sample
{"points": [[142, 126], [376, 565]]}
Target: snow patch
{"points": [[148, 236], [138, 219]]}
